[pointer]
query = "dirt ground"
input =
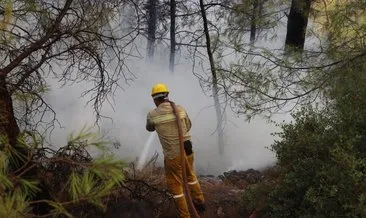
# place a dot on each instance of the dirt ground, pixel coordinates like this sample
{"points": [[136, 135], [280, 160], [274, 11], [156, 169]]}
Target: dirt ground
{"points": [[221, 201], [144, 195]]}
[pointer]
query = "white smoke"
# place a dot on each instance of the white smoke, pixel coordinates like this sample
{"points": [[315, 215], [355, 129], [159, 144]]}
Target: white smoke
{"points": [[245, 143]]}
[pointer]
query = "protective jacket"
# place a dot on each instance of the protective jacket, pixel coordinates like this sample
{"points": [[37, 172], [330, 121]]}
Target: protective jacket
{"points": [[162, 119]]}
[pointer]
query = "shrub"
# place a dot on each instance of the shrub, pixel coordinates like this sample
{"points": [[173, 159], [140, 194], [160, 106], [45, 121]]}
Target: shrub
{"points": [[65, 178], [321, 156]]}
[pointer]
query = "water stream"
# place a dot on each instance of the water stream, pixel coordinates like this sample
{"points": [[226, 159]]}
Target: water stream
{"points": [[143, 156]]}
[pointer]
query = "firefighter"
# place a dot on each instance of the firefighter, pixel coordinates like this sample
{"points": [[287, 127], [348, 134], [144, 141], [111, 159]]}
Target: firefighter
{"points": [[163, 121]]}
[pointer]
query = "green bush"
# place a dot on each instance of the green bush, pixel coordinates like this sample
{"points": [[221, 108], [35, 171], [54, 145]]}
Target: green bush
{"points": [[323, 174], [69, 176], [321, 156], [255, 196]]}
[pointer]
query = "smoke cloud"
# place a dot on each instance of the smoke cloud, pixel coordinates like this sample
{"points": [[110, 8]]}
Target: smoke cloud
{"points": [[245, 143]]}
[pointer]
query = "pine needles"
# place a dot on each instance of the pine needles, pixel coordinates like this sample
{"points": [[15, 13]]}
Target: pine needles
{"points": [[70, 175]]}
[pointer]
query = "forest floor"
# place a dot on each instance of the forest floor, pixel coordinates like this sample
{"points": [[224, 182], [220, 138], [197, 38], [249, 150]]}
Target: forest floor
{"points": [[144, 195]]}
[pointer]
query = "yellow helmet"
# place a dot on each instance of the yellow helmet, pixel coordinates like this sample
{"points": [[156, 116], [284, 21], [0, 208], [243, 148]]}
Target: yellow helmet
{"points": [[159, 88]]}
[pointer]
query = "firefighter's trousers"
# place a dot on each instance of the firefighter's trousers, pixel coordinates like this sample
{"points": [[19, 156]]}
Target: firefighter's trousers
{"points": [[174, 179]]}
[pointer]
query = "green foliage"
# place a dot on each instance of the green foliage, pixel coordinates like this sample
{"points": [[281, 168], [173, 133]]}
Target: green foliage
{"points": [[70, 175], [14, 204], [349, 100], [321, 156], [58, 208], [5, 182], [343, 21], [13, 191], [255, 197], [322, 176], [260, 13]]}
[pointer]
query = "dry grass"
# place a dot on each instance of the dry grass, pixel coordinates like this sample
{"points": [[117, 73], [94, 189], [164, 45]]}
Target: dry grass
{"points": [[151, 173], [146, 190], [148, 186]]}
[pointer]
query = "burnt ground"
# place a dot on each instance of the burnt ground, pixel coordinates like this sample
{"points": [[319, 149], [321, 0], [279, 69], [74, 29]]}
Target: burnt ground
{"points": [[143, 195]]}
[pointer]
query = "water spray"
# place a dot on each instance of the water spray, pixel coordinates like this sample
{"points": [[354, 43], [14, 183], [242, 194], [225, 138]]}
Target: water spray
{"points": [[143, 156]]}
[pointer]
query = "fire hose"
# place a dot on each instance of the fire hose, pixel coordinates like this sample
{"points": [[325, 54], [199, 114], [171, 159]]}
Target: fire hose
{"points": [[183, 160]]}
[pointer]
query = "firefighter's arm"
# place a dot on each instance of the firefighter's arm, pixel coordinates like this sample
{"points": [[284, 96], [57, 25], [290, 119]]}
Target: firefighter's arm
{"points": [[188, 122], [149, 124]]}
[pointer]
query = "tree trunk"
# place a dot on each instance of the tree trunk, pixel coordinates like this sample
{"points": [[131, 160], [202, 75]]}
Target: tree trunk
{"points": [[297, 24], [9, 129], [253, 21], [219, 117], [172, 35], [215, 89], [151, 29]]}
